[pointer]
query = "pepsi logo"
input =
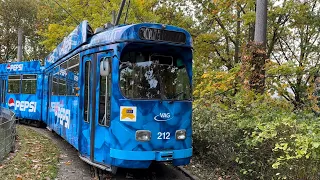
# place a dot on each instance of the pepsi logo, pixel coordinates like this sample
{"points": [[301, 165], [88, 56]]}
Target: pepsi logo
{"points": [[29, 106], [15, 67], [11, 102], [63, 115]]}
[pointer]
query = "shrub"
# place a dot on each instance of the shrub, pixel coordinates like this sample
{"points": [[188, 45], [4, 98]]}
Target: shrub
{"points": [[258, 137]]}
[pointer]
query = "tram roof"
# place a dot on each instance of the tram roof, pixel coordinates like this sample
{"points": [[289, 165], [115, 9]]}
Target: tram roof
{"points": [[143, 32]]}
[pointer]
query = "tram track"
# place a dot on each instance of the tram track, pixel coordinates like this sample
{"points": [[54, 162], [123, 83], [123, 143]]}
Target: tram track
{"points": [[80, 170], [187, 173]]}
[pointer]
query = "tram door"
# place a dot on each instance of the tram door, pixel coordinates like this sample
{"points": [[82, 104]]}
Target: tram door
{"points": [[96, 108], [47, 99], [103, 108], [3, 91], [86, 88]]}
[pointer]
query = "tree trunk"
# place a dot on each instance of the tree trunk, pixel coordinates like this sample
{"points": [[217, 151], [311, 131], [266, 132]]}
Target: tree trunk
{"points": [[254, 55], [237, 45]]}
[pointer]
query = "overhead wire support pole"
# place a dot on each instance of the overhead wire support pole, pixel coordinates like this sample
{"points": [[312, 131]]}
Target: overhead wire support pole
{"points": [[120, 12], [260, 35], [20, 38], [113, 17], [125, 19]]}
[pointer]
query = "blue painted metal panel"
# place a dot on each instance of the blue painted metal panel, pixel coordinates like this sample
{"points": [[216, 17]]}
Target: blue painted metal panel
{"points": [[26, 106], [121, 135], [63, 117], [130, 33], [45, 99], [150, 155], [20, 67]]}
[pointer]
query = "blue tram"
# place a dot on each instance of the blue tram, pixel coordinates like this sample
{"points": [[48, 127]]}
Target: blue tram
{"points": [[21, 89], [122, 96]]}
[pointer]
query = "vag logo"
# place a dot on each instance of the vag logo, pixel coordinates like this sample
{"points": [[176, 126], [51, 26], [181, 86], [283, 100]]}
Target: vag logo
{"points": [[163, 117], [15, 67]]}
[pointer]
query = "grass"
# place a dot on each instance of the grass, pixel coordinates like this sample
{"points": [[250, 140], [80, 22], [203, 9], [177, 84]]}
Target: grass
{"points": [[37, 157]]}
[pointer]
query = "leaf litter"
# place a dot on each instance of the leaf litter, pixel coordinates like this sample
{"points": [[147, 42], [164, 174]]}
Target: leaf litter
{"points": [[36, 157]]}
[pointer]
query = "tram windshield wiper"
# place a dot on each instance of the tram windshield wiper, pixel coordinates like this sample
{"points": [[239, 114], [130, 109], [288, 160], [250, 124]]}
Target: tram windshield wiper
{"points": [[124, 65], [177, 95]]}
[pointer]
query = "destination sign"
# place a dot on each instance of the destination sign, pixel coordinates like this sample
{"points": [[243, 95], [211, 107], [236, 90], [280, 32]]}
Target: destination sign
{"points": [[162, 35]]}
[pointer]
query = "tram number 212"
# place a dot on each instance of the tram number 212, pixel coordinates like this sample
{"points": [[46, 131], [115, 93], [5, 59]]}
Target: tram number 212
{"points": [[163, 135]]}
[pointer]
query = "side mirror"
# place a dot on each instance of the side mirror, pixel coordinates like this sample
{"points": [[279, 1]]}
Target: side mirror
{"points": [[105, 67]]}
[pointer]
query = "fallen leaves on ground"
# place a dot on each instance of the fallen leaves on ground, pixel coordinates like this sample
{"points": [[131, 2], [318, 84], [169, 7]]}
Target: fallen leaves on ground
{"points": [[37, 158], [19, 177]]}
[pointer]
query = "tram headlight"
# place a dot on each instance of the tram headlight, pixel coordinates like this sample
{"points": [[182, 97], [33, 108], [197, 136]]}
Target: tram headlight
{"points": [[181, 134], [143, 135]]}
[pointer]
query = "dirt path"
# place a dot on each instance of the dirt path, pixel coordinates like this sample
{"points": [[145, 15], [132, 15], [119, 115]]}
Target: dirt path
{"points": [[72, 168]]}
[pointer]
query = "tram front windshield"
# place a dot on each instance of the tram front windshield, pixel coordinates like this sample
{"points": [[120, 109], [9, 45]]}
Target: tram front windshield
{"points": [[154, 76]]}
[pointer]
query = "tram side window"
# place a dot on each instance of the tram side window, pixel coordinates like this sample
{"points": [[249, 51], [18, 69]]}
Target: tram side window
{"points": [[62, 78], [29, 84], [14, 84], [87, 91], [55, 82], [104, 110], [62, 86], [73, 75], [50, 86], [3, 92], [55, 86]]}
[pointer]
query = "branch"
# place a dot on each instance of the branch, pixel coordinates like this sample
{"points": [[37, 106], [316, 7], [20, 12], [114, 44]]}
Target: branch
{"points": [[286, 77], [216, 50], [286, 43], [275, 38], [224, 29], [316, 38], [288, 98], [282, 50], [242, 8], [222, 26]]}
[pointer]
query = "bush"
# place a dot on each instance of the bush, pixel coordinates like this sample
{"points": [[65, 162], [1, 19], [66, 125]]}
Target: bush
{"points": [[258, 137]]}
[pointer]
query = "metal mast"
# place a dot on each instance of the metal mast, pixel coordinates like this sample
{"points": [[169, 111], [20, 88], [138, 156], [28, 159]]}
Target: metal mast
{"points": [[260, 35]]}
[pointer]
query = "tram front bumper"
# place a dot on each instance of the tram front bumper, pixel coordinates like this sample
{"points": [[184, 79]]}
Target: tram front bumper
{"points": [[150, 155]]}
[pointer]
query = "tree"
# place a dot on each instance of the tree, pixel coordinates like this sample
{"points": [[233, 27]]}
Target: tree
{"points": [[57, 23], [296, 51], [15, 14], [224, 26], [292, 49]]}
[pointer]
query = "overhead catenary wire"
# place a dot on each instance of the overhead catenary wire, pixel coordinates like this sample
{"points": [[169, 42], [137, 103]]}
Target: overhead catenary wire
{"points": [[67, 12]]}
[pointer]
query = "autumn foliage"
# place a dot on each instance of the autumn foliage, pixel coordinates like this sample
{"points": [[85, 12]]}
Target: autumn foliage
{"points": [[253, 67]]}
